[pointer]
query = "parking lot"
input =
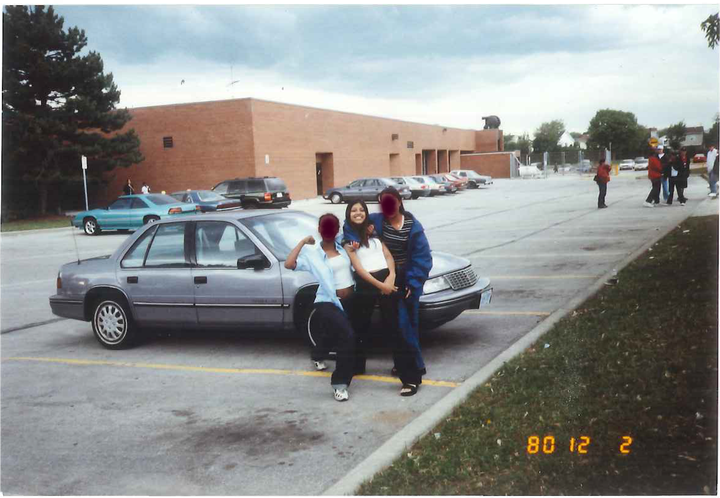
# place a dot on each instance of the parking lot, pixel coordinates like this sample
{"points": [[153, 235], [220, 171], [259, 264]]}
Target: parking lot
{"points": [[216, 413]]}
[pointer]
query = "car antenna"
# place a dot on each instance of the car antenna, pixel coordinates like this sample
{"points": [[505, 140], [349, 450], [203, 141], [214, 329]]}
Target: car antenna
{"points": [[77, 253]]}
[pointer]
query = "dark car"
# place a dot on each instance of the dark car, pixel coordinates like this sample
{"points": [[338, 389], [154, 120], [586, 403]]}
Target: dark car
{"points": [[364, 189], [207, 200], [450, 187], [225, 270], [255, 192]]}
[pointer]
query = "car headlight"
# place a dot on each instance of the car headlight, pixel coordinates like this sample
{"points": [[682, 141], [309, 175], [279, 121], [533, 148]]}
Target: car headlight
{"points": [[436, 284]]}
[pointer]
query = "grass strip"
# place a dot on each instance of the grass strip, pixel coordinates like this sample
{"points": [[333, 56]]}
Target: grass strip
{"points": [[36, 224], [638, 360]]}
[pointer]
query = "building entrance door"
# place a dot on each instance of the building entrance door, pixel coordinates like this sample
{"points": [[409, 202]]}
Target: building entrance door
{"points": [[318, 176]]}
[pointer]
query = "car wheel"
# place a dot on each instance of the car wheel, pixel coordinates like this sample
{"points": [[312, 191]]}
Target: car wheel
{"points": [[415, 196], [150, 219], [250, 205], [472, 185], [91, 227], [112, 324], [336, 198]]}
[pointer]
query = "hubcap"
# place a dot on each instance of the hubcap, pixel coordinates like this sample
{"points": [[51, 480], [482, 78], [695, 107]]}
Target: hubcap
{"points": [[110, 322], [335, 198], [90, 227]]}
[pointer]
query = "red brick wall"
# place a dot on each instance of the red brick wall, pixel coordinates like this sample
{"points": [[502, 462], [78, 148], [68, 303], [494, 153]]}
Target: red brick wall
{"points": [[496, 165], [489, 141], [212, 141]]}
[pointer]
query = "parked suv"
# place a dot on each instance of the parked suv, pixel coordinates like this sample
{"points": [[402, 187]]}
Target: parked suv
{"points": [[255, 192]]}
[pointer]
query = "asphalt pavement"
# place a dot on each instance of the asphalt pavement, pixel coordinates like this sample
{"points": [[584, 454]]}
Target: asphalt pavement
{"points": [[214, 413]]}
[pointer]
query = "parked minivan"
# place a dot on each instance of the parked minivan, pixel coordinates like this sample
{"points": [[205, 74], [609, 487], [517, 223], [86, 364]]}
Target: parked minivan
{"points": [[255, 192]]}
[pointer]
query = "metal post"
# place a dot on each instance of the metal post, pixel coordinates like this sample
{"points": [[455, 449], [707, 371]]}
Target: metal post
{"points": [[84, 167]]}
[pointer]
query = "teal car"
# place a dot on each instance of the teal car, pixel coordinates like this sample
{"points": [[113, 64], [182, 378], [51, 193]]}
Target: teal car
{"points": [[130, 212]]}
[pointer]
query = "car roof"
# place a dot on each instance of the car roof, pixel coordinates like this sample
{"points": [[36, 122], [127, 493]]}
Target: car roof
{"points": [[229, 216]]}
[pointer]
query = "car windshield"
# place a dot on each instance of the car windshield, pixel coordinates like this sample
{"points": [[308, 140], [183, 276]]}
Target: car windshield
{"points": [[160, 199], [281, 232], [431, 179], [411, 181], [178, 196], [209, 195], [275, 184]]}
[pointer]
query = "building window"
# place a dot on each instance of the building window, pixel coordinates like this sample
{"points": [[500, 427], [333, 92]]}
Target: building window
{"points": [[410, 145], [167, 142]]}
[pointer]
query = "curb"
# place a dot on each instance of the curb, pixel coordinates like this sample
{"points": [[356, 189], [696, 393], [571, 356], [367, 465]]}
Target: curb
{"points": [[388, 452], [32, 232]]}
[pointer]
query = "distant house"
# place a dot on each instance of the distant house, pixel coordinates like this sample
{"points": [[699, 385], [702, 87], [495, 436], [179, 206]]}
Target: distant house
{"points": [[566, 140], [582, 141], [693, 136]]}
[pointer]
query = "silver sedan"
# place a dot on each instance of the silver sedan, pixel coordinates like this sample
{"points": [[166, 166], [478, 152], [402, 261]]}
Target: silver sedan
{"points": [[225, 270]]}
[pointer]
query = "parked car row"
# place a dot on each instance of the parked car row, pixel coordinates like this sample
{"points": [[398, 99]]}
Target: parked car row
{"points": [[410, 187]]}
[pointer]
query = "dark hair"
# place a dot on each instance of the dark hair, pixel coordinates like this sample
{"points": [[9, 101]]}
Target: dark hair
{"points": [[394, 192], [601, 160], [361, 228], [326, 215]]}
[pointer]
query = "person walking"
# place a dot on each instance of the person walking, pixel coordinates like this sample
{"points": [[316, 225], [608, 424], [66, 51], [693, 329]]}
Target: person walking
{"points": [[128, 188], [330, 265], [655, 176], [145, 188], [665, 161], [680, 170], [602, 179], [405, 237], [375, 281], [712, 156]]}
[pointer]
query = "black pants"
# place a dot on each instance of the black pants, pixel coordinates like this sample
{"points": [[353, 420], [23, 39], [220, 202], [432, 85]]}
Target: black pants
{"points": [[654, 195], [602, 186], [331, 325], [674, 183], [365, 297]]}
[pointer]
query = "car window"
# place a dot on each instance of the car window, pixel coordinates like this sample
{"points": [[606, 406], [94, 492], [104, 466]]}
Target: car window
{"points": [[419, 179], [138, 203], [135, 257], [167, 249], [371, 183], [209, 195], [120, 204], [401, 181], [160, 199], [280, 233], [463, 174], [356, 183], [178, 195], [221, 188], [220, 245], [255, 186], [238, 187], [274, 184]]}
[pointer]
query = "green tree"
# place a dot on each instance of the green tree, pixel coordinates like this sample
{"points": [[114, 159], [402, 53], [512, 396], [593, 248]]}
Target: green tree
{"points": [[619, 131], [548, 135], [675, 134], [521, 143], [712, 136], [57, 105], [711, 27]]}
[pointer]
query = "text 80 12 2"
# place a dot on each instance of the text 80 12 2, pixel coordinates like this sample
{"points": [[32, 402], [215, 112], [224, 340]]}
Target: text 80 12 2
{"points": [[547, 445]]}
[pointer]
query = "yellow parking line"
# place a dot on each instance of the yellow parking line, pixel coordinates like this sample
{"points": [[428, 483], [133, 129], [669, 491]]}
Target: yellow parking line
{"points": [[508, 313], [268, 371]]}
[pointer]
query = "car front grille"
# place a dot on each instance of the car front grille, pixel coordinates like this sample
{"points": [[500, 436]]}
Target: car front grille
{"points": [[462, 278]]}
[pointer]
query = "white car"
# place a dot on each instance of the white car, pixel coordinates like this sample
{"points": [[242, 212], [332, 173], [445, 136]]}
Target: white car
{"points": [[640, 164], [627, 164]]}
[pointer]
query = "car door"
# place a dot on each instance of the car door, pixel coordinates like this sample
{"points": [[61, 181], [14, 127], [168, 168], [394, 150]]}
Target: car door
{"points": [[156, 274], [138, 209], [226, 295], [370, 189], [118, 214]]}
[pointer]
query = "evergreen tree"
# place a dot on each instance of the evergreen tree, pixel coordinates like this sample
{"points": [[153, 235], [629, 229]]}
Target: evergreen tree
{"points": [[57, 105]]}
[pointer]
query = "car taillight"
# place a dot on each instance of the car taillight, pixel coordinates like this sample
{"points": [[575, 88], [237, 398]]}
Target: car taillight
{"points": [[198, 208], [268, 196], [423, 187], [175, 210], [59, 281]]}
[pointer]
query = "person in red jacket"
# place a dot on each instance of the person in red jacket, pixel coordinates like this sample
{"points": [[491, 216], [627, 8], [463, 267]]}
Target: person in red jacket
{"points": [[655, 173], [603, 177]]}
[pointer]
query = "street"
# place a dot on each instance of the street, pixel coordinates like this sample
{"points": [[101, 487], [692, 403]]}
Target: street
{"points": [[217, 413]]}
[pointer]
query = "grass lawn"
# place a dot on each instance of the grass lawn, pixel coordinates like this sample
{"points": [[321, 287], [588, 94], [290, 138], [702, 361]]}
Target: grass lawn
{"points": [[633, 371], [36, 223]]}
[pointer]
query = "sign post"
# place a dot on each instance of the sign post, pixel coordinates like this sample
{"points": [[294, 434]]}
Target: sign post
{"points": [[653, 142], [84, 167]]}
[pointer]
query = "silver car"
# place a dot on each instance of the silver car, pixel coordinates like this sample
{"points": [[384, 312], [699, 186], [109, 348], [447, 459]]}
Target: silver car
{"points": [[225, 270]]}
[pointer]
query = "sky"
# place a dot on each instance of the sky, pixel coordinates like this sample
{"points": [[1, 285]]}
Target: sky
{"points": [[445, 65]]}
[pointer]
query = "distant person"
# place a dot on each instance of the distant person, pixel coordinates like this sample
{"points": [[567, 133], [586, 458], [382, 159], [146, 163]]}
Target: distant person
{"points": [[712, 156], [128, 188], [655, 175], [145, 188], [665, 162], [603, 177], [680, 170]]}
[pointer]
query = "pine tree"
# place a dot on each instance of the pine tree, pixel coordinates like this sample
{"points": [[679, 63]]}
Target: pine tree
{"points": [[57, 105]]}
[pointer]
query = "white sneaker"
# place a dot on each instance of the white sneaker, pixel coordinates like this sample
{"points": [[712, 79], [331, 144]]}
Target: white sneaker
{"points": [[682, 203], [341, 395], [648, 204], [319, 365]]}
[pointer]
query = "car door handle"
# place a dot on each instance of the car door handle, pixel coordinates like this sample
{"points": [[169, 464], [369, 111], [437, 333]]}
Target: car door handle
{"points": [[200, 280], [132, 280]]}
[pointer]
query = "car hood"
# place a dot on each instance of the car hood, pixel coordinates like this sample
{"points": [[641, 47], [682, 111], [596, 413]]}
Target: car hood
{"points": [[446, 263]]}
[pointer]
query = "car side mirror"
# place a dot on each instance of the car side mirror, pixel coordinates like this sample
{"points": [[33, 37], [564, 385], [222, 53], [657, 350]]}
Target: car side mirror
{"points": [[255, 261]]}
